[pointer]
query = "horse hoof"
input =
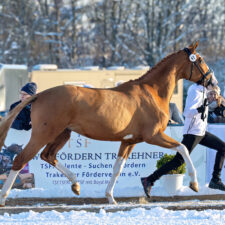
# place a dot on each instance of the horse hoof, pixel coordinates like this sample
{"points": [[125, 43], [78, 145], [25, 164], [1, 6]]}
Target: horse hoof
{"points": [[76, 188], [194, 186], [110, 199]]}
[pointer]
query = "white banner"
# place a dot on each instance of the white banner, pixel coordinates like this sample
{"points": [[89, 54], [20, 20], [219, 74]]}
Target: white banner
{"points": [[92, 161]]}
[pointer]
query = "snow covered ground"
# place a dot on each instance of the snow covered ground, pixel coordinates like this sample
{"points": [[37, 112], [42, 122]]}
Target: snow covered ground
{"points": [[138, 216], [152, 213]]}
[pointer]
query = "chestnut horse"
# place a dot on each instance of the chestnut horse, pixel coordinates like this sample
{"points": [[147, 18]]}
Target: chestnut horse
{"points": [[136, 111]]}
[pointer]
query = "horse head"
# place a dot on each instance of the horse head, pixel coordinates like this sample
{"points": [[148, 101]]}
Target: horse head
{"points": [[197, 70]]}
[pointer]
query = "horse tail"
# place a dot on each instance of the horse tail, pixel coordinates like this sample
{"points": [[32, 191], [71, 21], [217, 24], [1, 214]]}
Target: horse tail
{"points": [[6, 122]]}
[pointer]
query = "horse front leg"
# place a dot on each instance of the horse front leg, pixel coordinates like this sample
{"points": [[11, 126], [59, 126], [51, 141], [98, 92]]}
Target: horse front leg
{"points": [[124, 152], [165, 141], [191, 169], [117, 168]]}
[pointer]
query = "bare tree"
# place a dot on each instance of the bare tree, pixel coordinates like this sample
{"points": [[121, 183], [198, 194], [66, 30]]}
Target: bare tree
{"points": [[71, 33]]}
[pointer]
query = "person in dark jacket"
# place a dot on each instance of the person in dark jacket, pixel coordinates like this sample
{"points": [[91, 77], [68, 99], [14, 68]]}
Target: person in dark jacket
{"points": [[23, 121]]}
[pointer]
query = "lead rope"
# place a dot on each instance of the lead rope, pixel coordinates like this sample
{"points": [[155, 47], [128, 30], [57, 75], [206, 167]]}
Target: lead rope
{"points": [[204, 102]]}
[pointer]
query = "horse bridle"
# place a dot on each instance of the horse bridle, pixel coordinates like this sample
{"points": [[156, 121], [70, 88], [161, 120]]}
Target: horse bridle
{"points": [[193, 59]]}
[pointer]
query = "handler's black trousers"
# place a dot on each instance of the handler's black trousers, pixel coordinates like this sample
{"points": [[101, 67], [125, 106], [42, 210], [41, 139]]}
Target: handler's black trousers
{"points": [[190, 141]]}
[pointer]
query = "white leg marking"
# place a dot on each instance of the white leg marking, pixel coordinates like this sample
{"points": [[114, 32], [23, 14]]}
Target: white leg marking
{"points": [[71, 176], [129, 136], [7, 186], [117, 168], [185, 154]]}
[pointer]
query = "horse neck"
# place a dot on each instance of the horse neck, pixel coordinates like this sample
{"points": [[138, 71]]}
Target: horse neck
{"points": [[163, 78]]}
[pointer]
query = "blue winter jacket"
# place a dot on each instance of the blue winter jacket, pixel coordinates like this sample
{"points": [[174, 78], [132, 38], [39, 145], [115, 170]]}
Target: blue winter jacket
{"points": [[22, 121]]}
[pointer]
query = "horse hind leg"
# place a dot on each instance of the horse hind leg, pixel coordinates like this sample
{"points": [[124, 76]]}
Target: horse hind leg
{"points": [[7, 186], [20, 161], [124, 152], [49, 155], [165, 141]]}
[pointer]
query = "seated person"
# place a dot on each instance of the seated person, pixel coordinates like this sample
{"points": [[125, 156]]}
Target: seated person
{"points": [[23, 121], [175, 115], [216, 107]]}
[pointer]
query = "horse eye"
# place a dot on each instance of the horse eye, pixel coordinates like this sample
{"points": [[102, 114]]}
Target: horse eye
{"points": [[200, 60]]}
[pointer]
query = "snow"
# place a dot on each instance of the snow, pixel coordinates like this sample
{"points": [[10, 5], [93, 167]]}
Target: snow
{"points": [[123, 213], [139, 215], [45, 67], [13, 66], [116, 68]]}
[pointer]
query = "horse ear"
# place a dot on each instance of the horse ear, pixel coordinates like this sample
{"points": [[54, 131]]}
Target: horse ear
{"points": [[193, 46]]}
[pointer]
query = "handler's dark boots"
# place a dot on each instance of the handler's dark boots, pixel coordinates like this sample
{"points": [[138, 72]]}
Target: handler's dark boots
{"points": [[147, 185], [217, 184]]}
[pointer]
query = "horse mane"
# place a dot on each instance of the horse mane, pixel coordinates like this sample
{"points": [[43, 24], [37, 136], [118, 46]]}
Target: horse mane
{"points": [[159, 64], [149, 73]]}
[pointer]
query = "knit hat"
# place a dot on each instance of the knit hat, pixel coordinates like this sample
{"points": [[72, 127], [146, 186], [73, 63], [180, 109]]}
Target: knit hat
{"points": [[30, 88]]}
